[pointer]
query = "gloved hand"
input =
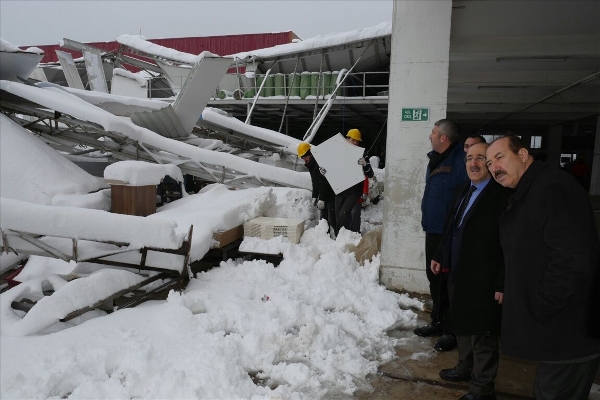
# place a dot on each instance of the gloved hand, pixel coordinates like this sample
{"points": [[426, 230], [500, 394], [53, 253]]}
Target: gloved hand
{"points": [[365, 197], [362, 161], [320, 204], [323, 171]]}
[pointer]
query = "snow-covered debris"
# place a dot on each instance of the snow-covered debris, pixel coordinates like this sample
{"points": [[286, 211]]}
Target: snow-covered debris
{"points": [[140, 173]]}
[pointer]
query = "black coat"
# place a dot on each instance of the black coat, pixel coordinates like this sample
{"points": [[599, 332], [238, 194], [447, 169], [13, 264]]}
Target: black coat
{"points": [[321, 189], [479, 271], [358, 188], [552, 253]]}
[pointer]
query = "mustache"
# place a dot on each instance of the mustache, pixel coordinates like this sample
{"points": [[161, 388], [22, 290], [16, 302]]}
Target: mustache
{"points": [[499, 172]]}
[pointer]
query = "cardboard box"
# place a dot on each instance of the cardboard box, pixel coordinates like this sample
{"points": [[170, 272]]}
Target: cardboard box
{"points": [[228, 236]]}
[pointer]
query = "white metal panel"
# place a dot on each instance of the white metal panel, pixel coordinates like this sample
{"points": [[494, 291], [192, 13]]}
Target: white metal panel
{"points": [[95, 70], [69, 69], [176, 75], [199, 88], [123, 86], [340, 159], [18, 65]]}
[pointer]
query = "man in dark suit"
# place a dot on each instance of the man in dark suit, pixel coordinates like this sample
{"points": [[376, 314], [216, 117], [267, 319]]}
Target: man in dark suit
{"points": [[470, 259], [551, 310]]}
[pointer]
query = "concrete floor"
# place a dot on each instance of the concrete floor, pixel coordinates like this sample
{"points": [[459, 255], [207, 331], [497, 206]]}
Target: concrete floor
{"points": [[414, 373]]}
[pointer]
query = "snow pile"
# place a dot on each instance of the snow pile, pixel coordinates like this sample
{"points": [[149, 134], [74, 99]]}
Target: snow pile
{"points": [[32, 171], [139, 42], [8, 47], [321, 41], [313, 327], [67, 297], [140, 173], [97, 225], [143, 82]]}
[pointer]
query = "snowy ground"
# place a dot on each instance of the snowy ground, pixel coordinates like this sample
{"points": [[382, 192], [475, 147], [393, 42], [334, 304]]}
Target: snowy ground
{"points": [[312, 327]]}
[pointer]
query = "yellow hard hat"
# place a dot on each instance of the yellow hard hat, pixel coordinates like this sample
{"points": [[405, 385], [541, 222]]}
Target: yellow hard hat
{"points": [[303, 148], [354, 134]]}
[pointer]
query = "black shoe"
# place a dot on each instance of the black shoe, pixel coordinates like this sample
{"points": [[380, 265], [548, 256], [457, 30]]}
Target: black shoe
{"points": [[456, 374], [429, 330], [473, 396], [446, 343]]}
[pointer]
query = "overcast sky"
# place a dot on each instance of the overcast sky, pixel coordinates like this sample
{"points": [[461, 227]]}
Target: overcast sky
{"points": [[46, 22]]}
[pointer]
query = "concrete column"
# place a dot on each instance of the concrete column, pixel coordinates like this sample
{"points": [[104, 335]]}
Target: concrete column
{"points": [[418, 79], [595, 167], [554, 145]]}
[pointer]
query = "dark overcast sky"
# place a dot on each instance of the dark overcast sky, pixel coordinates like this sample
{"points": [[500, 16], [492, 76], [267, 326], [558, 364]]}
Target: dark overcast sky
{"points": [[46, 22]]}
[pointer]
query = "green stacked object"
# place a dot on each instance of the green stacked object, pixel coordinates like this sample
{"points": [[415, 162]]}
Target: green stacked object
{"points": [[279, 84], [259, 81], [333, 80], [314, 84], [295, 89], [326, 83], [305, 82], [269, 88]]}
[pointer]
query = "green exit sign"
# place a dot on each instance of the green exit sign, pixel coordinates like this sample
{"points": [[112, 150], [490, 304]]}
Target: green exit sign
{"points": [[415, 114]]}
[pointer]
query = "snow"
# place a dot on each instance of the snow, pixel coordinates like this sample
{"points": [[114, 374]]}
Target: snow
{"points": [[312, 327], [11, 48], [321, 41], [137, 77], [214, 115], [140, 173], [23, 156], [70, 104], [138, 42]]}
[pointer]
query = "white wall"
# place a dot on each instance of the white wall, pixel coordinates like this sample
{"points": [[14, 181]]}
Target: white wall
{"points": [[418, 79]]}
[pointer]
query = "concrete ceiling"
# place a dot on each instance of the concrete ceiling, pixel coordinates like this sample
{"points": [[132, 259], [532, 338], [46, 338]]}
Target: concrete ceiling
{"points": [[514, 65]]}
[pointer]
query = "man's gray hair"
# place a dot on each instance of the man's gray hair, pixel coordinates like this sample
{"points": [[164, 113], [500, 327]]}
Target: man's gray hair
{"points": [[449, 128]]}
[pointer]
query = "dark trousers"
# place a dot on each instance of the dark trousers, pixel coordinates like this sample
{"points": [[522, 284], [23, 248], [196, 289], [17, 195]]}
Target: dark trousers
{"points": [[565, 381], [355, 217], [344, 202], [478, 354], [328, 214], [436, 289]]}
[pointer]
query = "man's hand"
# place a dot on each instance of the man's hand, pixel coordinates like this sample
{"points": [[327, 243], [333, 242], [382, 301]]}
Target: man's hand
{"points": [[362, 161], [499, 296], [323, 171], [365, 197], [320, 204], [435, 267]]}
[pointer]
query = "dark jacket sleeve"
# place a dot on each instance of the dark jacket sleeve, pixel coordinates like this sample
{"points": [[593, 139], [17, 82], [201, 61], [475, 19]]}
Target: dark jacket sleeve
{"points": [[367, 169]]}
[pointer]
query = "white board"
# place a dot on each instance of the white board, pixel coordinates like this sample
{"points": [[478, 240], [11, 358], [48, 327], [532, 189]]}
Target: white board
{"points": [[95, 70], [340, 159], [69, 69]]}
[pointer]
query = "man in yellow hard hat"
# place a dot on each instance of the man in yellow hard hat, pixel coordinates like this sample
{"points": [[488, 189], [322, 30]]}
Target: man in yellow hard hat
{"points": [[347, 206], [322, 193]]}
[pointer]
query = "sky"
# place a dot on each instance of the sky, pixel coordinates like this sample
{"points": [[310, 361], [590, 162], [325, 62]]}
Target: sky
{"points": [[312, 327], [28, 23]]}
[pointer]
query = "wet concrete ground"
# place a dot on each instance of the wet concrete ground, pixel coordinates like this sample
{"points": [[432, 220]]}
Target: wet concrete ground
{"points": [[414, 373]]}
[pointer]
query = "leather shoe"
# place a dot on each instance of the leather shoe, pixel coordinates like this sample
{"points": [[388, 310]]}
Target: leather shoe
{"points": [[434, 329], [473, 396], [456, 374], [446, 343]]}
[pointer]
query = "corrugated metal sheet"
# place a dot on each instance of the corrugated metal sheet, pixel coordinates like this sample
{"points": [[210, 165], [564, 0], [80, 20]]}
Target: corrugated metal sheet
{"points": [[221, 45]]}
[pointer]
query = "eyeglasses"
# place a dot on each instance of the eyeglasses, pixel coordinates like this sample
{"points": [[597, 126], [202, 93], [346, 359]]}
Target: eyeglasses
{"points": [[471, 158]]}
